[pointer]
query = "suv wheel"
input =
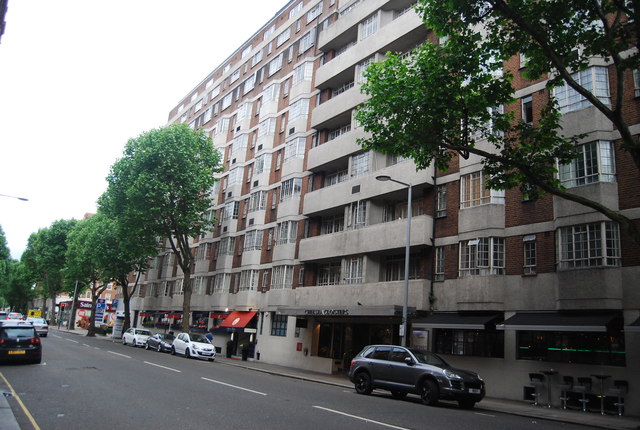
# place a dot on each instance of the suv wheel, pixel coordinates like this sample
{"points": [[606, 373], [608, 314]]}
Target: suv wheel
{"points": [[398, 395], [363, 383], [429, 393]]}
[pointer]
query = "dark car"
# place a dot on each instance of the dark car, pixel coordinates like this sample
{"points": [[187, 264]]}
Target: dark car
{"points": [[19, 342], [160, 342], [404, 370]]}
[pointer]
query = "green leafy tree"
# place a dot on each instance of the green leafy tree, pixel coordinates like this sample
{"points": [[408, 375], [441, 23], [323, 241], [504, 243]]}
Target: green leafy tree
{"points": [[5, 262], [83, 257], [160, 189], [435, 103], [19, 292], [45, 261]]}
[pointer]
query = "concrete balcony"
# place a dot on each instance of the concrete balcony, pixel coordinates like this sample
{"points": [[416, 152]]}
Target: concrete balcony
{"points": [[326, 156], [337, 110], [373, 238], [345, 29], [402, 33]]}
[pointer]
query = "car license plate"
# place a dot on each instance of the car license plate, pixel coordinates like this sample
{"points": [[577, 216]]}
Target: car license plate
{"points": [[474, 390], [17, 352]]}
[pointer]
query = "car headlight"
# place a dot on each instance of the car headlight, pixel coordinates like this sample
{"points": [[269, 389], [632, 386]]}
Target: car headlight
{"points": [[451, 375], [195, 346]]}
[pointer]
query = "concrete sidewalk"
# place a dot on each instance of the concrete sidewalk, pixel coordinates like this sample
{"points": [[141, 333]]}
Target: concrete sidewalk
{"points": [[487, 405]]}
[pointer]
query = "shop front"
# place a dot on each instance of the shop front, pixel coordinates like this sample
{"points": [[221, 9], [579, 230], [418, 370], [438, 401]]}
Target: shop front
{"points": [[339, 333], [242, 328]]}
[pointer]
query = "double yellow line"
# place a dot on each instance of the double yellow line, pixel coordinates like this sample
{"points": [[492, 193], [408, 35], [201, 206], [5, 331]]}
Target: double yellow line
{"points": [[24, 408]]}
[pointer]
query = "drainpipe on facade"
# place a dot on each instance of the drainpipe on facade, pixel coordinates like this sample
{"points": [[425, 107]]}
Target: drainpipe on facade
{"points": [[432, 297]]}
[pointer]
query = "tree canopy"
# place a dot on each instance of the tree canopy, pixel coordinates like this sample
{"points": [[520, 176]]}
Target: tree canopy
{"points": [[447, 98], [160, 188]]}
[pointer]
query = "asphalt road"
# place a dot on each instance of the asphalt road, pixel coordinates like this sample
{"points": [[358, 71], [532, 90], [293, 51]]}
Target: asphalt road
{"points": [[86, 383]]}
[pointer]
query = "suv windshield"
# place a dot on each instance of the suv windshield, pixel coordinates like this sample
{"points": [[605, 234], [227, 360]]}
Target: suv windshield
{"points": [[429, 358]]}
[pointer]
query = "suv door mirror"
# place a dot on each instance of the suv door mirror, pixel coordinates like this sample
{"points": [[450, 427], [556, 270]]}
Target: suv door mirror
{"points": [[408, 361]]}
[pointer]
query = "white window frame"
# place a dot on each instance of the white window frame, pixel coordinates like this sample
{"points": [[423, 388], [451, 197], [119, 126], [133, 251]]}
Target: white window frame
{"points": [[473, 191], [589, 245], [354, 270], [290, 188], [595, 163], [482, 256], [594, 79], [369, 26], [294, 148]]}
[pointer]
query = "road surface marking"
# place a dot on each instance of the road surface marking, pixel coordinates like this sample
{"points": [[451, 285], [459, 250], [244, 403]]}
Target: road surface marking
{"points": [[361, 418], [234, 386], [486, 415], [164, 367], [88, 346], [117, 353], [24, 408], [71, 340]]}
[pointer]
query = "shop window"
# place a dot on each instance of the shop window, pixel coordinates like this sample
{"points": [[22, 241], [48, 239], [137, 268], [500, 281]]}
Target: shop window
{"points": [[477, 343]]}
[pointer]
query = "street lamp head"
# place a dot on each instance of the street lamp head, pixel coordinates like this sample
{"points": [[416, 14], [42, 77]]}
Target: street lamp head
{"points": [[383, 178]]}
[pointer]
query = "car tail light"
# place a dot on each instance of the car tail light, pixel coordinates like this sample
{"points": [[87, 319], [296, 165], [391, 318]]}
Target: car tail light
{"points": [[1, 341], [353, 361], [35, 340]]}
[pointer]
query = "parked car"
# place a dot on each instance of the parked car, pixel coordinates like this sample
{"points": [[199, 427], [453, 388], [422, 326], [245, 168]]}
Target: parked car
{"points": [[193, 345], [15, 316], [3, 315], [136, 336], [41, 325], [160, 342], [403, 370], [19, 342]]}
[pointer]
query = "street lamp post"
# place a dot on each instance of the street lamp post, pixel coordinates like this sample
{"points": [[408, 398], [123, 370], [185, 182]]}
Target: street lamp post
{"points": [[405, 302]]}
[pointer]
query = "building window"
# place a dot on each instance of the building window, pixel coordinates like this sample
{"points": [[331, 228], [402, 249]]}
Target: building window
{"points": [[594, 79], [339, 131], [353, 270], [253, 240], [222, 282], [239, 143], [283, 37], [227, 245], [476, 343], [329, 273], [369, 26], [248, 280], [267, 127], [589, 245], [527, 109], [307, 41], [290, 189], [286, 232], [297, 8], [303, 73], [441, 201], [474, 192], [258, 201], [438, 274], [235, 176], [336, 177], [359, 164], [262, 163], [231, 211], [332, 224], [394, 267], [484, 256], [357, 215], [294, 148], [275, 64], [342, 88], [278, 324], [575, 347], [281, 277], [314, 12], [361, 68], [249, 84], [214, 92], [594, 163], [298, 109], [529, 245], [636, 82]]}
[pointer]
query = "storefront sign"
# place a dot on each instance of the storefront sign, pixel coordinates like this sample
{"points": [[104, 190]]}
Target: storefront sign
{"points": [[327, 312]]}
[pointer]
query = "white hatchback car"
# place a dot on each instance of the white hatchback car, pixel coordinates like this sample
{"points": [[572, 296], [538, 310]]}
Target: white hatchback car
{"points": [[193, 345], [136, 336]]}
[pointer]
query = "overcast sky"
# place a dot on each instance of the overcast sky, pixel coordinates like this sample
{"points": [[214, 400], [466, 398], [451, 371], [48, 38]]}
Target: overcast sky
{"points": [[78, 78]]}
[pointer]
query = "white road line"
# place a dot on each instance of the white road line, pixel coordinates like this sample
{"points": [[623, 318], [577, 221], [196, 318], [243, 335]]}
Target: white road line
{"points": [[164, 367], [71, 340], [484, 415], [233, 386], [117, 353], [361, 418], [88, 346]]}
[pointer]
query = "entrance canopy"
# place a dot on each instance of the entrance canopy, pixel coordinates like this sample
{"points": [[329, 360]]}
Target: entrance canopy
{"points": [[557, 321], [238, 319], [455, 320]]}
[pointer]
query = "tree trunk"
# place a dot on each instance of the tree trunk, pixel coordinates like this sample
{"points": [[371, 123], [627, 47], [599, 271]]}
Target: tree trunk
{"points": [[186, 303]]}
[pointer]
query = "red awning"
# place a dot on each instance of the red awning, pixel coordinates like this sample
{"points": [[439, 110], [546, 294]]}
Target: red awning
{"points": [[238, 319]]}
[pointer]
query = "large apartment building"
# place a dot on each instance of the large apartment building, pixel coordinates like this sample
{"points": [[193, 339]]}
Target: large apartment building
{"points": [[307, 261]]}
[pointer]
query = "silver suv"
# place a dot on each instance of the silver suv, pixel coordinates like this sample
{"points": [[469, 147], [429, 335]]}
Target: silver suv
{"points": [[404, 370]]}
